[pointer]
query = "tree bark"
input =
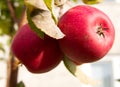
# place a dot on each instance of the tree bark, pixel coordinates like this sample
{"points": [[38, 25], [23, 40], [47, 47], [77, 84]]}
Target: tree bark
{"points": [[12, 72], [12, 63]]}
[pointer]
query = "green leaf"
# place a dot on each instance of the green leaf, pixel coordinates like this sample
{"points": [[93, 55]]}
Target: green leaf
{"points": [[3, 4], [40, 16], [90, 2], [20, 84], [70, 65], [75, 0], [6, 21], [5, 27], [32, 25], [50, 5], [2, 48], [78, 73], [118, 80], [60, 2], [2, 59]]}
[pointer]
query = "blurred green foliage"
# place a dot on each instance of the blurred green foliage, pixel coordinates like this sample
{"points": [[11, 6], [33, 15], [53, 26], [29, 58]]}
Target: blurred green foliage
{"points": [[20, 84], [6, 20], [8, 25]]}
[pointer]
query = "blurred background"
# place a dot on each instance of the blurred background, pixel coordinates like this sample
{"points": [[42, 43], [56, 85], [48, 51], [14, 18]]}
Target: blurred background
{"points": [[106, 71]]}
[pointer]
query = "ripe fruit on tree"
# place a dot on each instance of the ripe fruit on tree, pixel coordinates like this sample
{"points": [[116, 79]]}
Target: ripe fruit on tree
{"points": [[38, 55], [89, 34]]}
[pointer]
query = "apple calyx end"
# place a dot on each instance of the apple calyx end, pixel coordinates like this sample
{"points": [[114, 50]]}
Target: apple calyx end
{"points": [[100, 30]]}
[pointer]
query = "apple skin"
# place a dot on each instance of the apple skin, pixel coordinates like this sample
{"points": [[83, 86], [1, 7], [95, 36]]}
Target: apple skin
{"points": [[38, 55], [89, 34]]}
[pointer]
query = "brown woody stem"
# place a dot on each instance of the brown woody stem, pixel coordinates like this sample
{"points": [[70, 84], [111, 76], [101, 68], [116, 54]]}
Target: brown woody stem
{"points": [[12, 11], [12, 72], [12, 63]]}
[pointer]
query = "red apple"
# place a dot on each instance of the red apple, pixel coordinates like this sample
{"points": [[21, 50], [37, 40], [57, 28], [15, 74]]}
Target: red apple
{"points": [[89, 34], [38, 55]]}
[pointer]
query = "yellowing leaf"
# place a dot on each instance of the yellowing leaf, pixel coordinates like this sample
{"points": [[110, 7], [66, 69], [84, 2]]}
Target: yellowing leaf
{"points": [[42, 18], [2, 48], [90, 2], [60, 2], [78, 73], [50, 5]]}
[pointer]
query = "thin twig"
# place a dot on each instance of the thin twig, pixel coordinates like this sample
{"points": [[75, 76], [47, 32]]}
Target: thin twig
{"points": [[60, 11], [23, 19], [12, 11], [12, 72], [12, 66]]}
